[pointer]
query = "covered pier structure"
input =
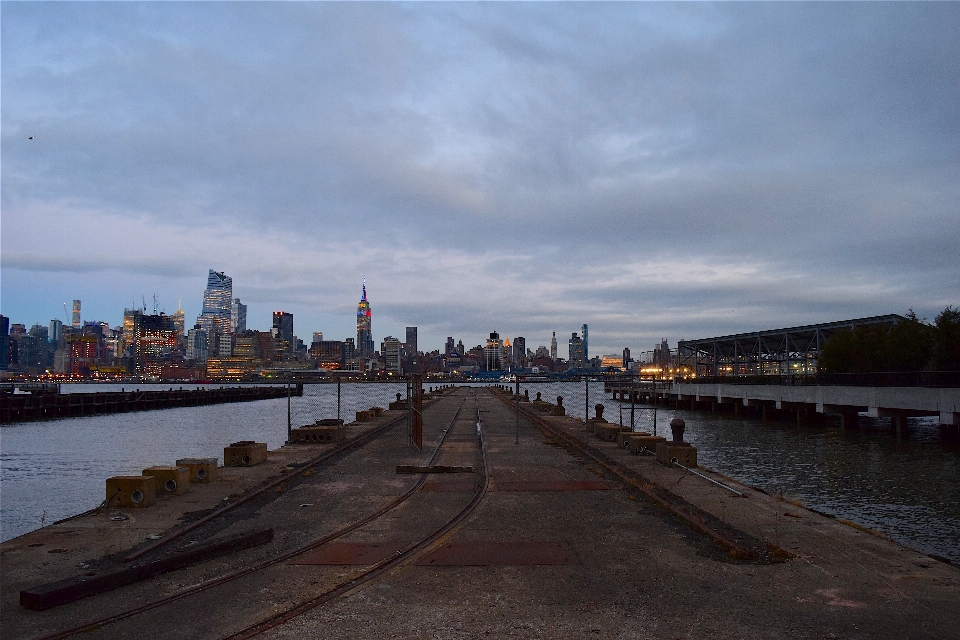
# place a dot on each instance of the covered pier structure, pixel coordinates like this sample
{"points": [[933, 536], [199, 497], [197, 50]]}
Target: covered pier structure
{"points": [[776, 352]]}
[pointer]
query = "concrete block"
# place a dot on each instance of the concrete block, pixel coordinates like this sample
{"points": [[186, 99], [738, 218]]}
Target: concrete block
{"points": [[558, 411], [624, 438], [131, 491], [639, 443], [685, 454], [364, 416], [377, 411], [326, 434], [202, 470], [175, 480], [607, 432], [245, 453]]}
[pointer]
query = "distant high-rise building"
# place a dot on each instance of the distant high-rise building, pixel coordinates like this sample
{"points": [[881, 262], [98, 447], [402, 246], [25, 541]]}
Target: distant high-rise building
{"points": [[56, 331], [411, 343], [238, 316], [217, 300], [520, 351], [391, 354], [493, 353], [179, 323], [317, 337], [76, 314], [450, 348], [553, 346], [364, 325], [197, 345], [626, 358], [576, 351], [149, 338], [4, 342], [586, 343], [283, 323]]}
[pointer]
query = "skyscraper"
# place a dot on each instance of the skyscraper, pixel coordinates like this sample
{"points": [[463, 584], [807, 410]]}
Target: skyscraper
{"points": [[553, 346], [283, 323], [411, 343], [586, 350], [76, 314], [520, 351], [576, 351], [493, 353], [391, 354], [215, 317], [364, 330], [238, 316]]}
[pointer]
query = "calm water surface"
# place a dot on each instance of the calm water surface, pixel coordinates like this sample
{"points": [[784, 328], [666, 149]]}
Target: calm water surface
{"points": [[908, 488]]}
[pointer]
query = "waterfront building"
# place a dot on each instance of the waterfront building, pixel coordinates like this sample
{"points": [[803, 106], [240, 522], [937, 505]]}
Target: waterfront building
{"points": [[4, 343], [410, 346], [217, 300], [55, 331], [76, 314], [329, 353], [283, 323], [197, 344], [493, 353], [364, 325], [238, 316], [613, 361], [149, 338], [553, 346], [390, 348], [586, 344], [575, 351], [179, 325], [520, 351], [626, 358]]}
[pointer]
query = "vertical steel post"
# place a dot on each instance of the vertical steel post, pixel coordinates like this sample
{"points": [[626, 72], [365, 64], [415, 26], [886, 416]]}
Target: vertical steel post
{"points": [[586, 398], [338, 399], [289, 422], [633, 393], [516, 410], [656, 401], [620, 397], [409, 413]]}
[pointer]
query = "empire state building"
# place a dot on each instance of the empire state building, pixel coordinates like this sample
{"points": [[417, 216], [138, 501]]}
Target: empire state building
{"points": [[364, 333]]}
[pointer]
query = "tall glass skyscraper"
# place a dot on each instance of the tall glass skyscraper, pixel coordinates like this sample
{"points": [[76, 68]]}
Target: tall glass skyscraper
{"points": [[217, 302], [364, 331]]}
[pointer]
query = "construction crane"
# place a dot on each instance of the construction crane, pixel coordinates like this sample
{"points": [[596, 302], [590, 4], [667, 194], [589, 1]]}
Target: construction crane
{"points": [[66, 314]]}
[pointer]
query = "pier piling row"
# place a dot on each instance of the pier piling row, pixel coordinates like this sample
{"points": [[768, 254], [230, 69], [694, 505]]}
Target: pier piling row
{"points": [[23, 407]]}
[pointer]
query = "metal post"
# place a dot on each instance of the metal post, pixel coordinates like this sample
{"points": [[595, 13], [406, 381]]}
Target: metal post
{"points": [[289, 423], [620, 395], [516, 410], [656, 401], [409, 413], [586, 399], [633, 393]]}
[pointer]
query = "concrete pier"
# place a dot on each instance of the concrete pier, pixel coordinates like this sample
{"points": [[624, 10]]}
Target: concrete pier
{"points": [[573, 537]]}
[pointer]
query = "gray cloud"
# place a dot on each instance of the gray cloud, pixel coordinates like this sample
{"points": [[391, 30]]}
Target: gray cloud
{"points": [[518, 167]]}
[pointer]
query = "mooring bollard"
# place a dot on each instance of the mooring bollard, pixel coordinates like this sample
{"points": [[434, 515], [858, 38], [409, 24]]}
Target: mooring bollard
{"points": [[677, 425]]}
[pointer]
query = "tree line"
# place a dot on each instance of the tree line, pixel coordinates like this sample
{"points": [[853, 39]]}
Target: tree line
{"points": [[912, 344]]}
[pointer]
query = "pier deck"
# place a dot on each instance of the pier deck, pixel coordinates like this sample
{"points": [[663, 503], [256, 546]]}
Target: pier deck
{"points": [[560, 545]]}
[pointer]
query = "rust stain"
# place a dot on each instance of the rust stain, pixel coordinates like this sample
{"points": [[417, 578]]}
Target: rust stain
{"points": [[555, 485], [486, 554], [359, 553]]}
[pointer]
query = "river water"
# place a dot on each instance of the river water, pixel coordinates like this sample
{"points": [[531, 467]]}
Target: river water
{"points": [[907, 488]]}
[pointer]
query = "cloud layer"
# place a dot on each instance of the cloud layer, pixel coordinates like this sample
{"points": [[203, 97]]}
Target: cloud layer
{"points": [[654, 170]]}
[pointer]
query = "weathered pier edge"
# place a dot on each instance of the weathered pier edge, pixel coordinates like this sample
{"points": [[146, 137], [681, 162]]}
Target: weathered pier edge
{"points": [[803, 403], [45, 406]]}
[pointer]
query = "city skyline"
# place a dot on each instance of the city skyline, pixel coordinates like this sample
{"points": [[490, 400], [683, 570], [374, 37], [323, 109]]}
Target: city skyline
{"points": [[648, 169]]}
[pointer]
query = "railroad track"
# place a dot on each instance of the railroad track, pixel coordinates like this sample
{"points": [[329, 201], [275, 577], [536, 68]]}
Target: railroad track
{"points": [[340, 587]]}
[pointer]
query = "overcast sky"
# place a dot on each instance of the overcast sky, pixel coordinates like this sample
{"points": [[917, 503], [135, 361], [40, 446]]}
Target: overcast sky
{"points": [[676, 170]]}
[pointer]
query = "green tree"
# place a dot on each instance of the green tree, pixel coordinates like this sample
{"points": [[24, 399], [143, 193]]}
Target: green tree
{"points": [[946, 349]]}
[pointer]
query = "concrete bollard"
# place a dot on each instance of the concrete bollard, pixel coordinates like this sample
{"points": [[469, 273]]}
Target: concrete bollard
{"points": [[559, 410], [639, 444], [677, 425], [132, 492], [202, 470], [682, 453], [175, 480], [245, 453]]}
